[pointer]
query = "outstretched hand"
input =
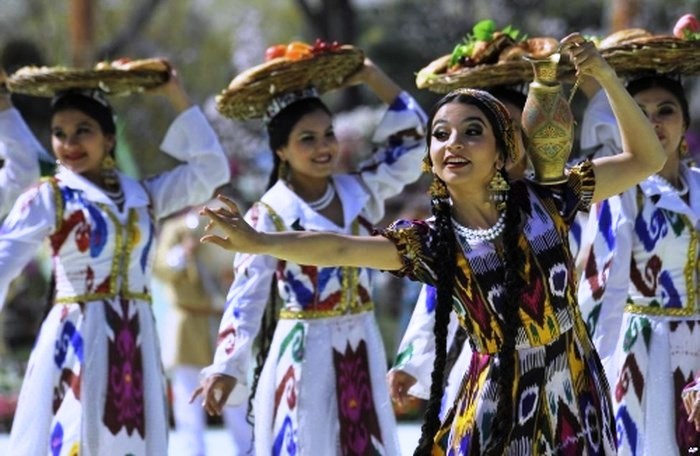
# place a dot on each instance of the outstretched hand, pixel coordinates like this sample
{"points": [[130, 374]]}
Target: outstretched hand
{"points": [[216, 390], [238, 235]]}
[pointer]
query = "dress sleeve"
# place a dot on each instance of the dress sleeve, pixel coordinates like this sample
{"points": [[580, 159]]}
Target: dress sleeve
{"points": [[604, 283], [399, 147], [412, 240], [191, 140], [21, 150], [416, 353], [30, 221], [245, 304]]}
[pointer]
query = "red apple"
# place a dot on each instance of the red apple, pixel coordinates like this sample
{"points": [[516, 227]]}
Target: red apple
{"points": [[687, 22]]}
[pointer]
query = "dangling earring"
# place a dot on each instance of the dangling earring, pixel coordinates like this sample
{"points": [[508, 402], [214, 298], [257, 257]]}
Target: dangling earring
{"points": [[109, 173], [282, 170], [498, 188]]}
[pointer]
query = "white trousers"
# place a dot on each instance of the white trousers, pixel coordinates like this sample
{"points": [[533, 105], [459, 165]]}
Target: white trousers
{"points": [[190, 419]]}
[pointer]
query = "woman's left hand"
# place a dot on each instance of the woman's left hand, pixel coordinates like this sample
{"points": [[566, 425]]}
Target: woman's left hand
{"points": [[173, 89], [239, 236]]}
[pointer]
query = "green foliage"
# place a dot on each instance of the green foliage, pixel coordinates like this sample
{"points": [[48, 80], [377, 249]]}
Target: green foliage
{"points": [[482, 31]]}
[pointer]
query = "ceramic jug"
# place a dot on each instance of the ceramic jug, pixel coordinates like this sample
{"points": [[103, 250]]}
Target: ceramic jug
{"points": [[548, 122]]}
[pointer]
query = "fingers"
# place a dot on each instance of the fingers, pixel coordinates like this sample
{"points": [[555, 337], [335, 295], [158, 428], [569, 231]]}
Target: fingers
{"points": [[216, 240], [232, 206], [196, 393]]}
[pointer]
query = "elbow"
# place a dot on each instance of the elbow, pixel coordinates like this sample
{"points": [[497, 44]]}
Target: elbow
{"points": [[659, 160]]}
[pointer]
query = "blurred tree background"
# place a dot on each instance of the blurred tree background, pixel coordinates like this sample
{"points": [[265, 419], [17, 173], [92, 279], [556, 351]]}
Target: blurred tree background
{"points": [[210, 41]]}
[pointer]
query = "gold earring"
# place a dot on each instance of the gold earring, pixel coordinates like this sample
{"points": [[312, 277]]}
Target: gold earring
{"points": [[282, 170], [498, 188], [109, 173]]}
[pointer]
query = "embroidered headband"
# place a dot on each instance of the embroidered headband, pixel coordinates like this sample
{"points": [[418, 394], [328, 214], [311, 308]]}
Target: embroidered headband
{"points": [[90, 101], [280, 102]]}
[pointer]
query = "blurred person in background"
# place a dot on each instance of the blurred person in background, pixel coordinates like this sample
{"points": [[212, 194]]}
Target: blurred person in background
{"points": [[194, 276]]}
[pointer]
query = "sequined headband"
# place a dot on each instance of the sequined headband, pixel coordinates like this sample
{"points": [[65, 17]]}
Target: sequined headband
{"points": [[94, 94], [280, 102], [500, 115]]}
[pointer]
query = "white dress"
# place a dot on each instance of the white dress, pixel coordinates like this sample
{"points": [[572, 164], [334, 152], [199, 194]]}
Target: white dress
{"points": [[94, 383], [322, 390], [637, 292]]}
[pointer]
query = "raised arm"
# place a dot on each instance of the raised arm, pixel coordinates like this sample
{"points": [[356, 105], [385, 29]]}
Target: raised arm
{"points": [[303, 247], [642, 153]]}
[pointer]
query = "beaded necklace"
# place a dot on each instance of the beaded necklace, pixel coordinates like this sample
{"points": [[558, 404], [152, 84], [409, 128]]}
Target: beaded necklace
{"points": [[325, 200], [478, 234]]}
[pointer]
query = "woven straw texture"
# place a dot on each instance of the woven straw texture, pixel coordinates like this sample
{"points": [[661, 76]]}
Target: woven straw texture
{"points": [[46, 82], [250, 92], [488, 75], [661, 54]]}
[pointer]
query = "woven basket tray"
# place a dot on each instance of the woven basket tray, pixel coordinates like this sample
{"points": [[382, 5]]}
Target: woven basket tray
{"points": [[45, 82], [249, 93], [484, 76], [662, 54]]}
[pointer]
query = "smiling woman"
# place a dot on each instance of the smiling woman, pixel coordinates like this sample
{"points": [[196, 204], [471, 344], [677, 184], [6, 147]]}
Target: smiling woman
{"points": [[322, 349], [94, 382]]}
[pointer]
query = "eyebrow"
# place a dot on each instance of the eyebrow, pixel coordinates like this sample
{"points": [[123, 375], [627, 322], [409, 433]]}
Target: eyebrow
{"points": [[465, 120]]}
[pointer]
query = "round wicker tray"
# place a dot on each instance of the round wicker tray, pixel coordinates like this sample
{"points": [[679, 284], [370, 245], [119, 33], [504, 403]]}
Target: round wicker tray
{"points": [[249, 93], [512, 72], [661, 54], [46, 81]]}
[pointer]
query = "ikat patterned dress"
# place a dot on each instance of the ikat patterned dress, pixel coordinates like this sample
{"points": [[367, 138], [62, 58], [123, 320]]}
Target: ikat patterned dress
{"points": [[639, 297], [561, 399], [94, 384], [322, 390]]}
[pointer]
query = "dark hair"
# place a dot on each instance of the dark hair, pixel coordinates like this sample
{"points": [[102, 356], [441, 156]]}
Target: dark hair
{"points": [[89, 103], [509, 95], [444, 246], [280, 127], [671, 85]]}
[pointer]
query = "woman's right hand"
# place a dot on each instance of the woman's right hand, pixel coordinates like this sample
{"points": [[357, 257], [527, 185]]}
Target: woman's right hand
{"points": [[399, 382], [238, 236], [216, 390], [586, 57]]}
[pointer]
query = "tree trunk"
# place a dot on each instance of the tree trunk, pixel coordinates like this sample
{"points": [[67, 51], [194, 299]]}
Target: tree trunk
{"points": [[81, 23]]}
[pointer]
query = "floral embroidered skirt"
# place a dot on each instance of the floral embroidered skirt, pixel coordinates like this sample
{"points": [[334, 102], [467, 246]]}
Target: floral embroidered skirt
{"points": [[323, 390], [94, 384]]}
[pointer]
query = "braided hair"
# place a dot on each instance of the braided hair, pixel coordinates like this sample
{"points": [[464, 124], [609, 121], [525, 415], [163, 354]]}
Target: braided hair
{"points": [[444, 245], [279, 128]]}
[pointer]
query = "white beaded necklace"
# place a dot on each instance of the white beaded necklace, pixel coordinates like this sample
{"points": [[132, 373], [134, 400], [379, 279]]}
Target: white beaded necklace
{"points": [[488, 234], [325, 200], [681, 191]]}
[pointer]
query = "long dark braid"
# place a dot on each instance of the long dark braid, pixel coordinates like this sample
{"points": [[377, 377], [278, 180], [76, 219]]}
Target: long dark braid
{"points": [[443, 244], [264, 342], [514, 284]]}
